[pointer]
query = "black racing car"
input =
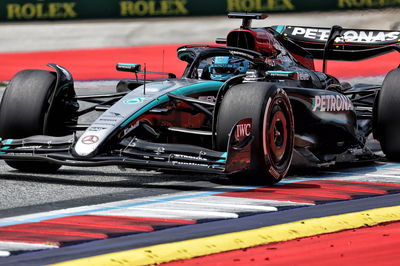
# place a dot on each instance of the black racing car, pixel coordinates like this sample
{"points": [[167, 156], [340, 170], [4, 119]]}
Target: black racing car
{"points": [[250, 107]]}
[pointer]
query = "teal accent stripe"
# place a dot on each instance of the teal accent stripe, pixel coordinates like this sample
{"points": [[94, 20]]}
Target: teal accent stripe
{"points": [[126, 64], [223, 159], [4, 148], [280, 28], [195, 88], [152, 104], [200, 87], [6, 142]]}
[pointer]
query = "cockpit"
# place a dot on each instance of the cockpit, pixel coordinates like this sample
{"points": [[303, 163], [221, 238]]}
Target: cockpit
{"points": [[221, 68]]}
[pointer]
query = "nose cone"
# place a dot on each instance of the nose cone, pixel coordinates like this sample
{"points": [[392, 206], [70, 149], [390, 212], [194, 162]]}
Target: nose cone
{"points": [[87, 144]]}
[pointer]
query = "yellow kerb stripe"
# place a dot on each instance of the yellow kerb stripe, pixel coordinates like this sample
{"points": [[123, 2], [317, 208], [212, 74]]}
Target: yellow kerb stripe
{"points": [[244, 239]]}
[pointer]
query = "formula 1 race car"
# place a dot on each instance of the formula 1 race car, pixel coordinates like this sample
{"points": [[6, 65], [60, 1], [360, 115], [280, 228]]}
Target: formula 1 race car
{"points": [[250, 106]]}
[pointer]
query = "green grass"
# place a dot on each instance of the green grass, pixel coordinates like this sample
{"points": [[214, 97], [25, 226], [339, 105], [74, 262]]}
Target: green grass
{"points": [[2, 84]]}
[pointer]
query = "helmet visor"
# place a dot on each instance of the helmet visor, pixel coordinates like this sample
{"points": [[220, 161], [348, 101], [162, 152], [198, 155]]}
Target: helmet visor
{"points": [[222, 70]]}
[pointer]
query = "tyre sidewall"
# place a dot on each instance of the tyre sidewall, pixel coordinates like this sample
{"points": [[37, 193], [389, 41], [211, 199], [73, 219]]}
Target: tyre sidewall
{"points": [[23, 108], [25, 103], [254, 100], [388, 120]]}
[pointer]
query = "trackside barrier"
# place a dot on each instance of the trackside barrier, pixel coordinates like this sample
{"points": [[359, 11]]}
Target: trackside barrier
{"points": [[36, 10]]}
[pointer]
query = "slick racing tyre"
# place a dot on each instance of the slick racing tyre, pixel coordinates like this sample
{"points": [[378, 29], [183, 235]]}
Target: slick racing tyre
{"points": [[23, 109], [386, 120], [272, 128]]}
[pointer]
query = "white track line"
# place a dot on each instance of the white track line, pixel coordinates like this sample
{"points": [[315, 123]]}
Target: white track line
{"points": [[233, 207], [169, 213], [6, 247], [384, 175], [252, 202], [4, 253], [216, 206]]}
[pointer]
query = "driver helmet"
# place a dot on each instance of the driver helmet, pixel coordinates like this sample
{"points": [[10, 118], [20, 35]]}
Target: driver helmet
{"points": [[225, 67]]}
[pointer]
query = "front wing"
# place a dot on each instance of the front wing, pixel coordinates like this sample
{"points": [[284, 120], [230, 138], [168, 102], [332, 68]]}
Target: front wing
{"points": [[133, 153]]}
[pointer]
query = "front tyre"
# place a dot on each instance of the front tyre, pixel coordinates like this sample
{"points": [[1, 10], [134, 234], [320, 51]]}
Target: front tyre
{"points": [[273, 129], [387, 120], [23, 109]]}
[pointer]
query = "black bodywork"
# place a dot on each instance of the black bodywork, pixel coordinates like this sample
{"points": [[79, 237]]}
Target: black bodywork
{"points": [[176, 127]]}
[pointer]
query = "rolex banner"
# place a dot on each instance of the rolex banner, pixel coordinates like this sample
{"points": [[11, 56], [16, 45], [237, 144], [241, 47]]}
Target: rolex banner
{"points": [[30, 10]]}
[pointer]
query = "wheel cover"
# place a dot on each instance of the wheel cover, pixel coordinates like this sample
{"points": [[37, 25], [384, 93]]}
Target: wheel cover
{"points": [[278, 136]]}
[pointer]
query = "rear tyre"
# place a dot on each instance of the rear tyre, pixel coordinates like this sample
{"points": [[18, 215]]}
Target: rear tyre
{"points": [[273, 129], [387, 120], [23, 109]]}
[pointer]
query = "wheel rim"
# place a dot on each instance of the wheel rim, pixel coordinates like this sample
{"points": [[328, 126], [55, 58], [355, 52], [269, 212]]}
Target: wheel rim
{"points": [[278, 136], [277, 130]]}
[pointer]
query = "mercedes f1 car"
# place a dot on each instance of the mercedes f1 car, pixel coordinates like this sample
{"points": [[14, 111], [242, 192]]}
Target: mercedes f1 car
{"points": [[250, 106]]}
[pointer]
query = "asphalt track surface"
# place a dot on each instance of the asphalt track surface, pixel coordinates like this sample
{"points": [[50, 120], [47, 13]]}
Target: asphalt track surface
{"points": [[325, 205], [29, 194]]}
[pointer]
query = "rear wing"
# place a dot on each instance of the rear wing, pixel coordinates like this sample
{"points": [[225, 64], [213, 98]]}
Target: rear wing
{"points": [[348, 45]]}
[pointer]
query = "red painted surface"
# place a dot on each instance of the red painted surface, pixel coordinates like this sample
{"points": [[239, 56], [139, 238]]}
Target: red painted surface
{"points": [[379, 245], [41, 228], [79, 228], [94, 64], [93, 230], [366, 188], [43, 238], [373, 67], [97, 64], [119, 221], [316, 191]]}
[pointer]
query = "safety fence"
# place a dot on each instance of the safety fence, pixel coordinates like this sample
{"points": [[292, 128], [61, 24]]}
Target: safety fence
{"points": [[36, 10]]}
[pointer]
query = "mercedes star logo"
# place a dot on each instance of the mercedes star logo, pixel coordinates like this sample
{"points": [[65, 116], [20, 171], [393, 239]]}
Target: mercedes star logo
{"points": [[90, 139]]}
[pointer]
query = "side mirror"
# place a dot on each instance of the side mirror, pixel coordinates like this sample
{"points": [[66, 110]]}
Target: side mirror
{"points": [[134, 68], [220, 40]]}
